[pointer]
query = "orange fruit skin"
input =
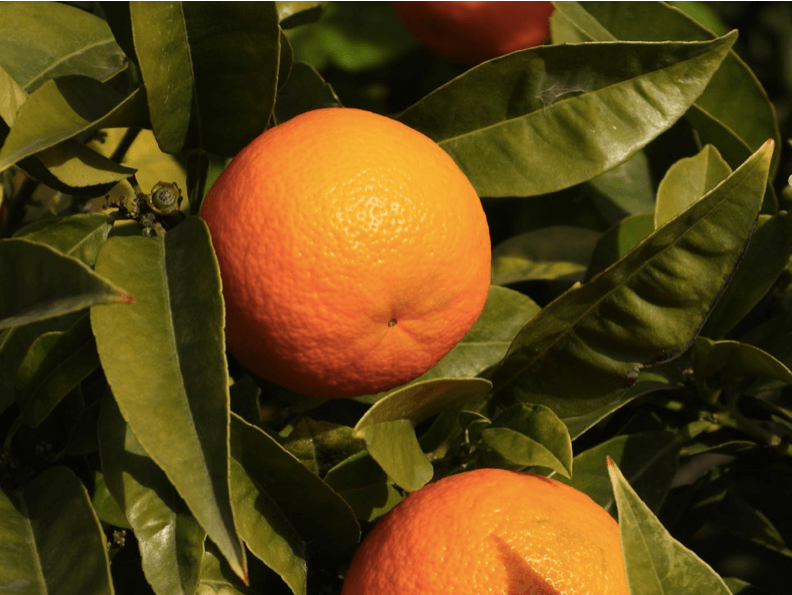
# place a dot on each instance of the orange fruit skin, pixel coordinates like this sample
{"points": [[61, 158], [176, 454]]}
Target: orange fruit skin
{"points": [[491, 531], [473, 32], [354, 253]]}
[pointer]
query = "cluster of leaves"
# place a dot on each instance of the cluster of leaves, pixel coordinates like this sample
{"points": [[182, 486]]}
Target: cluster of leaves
{"points": [[639, 312]]}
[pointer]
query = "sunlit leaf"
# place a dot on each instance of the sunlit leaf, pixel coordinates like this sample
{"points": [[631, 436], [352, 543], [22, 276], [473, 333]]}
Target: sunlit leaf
{"points": [[542, 119], [618, 241], [645, 309], [172, 336], [51, 540], [655, 562], [395, 447], [31, 62], [79, 236]]}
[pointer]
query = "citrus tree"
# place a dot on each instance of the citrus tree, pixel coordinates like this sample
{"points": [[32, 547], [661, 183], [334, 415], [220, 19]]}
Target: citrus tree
{"points": [[634, 343]]}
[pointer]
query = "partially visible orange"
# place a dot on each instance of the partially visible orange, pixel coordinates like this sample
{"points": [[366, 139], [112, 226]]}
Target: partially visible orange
{"points": [[472, 32], [354, 253], [488, 532]]}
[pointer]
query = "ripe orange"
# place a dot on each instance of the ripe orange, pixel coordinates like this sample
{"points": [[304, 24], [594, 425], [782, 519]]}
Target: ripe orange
{"points": [[491, 531], [354, 253], [472, 32]]}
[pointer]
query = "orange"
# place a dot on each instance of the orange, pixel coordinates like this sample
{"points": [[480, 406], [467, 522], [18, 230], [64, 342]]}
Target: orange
{"points": [[472, 32], [354, 253], [491, 531]]}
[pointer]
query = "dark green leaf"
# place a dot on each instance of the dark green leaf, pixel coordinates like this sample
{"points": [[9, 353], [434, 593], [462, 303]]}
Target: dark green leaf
{"points": [[294, 14], [12, 96], [764, 261], [655, 562], [732, 360], [172, 340], [37, 282], [51, 540], [31, 61], [364, 485], [80, 236], [395, 447], [171, 541], [266, 532], [643, 310], [53, 366], [625, 190], [60, 110], [105, 505], [688, 180], [321, 445], [546, 253], [656, 21], [303, 91], [217, 578], [618, 241], [541, 120], [739, 587], [320, 515], [505, 313], [648, 461], [212, 65]]}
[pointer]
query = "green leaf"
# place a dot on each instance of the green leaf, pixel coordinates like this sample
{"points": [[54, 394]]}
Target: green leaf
{"points": [[618, 241], [655, 562], [688, 180], [540, 120], [559, 252], [217, 578], [51, 540], [31, 61], [12, 96], [625, 190], [54, 365], [212, 65], [395, 447], [505, 312], [321, 516], [321, 445], [645, 309], [38, 282], [105, 505], [739, 587], [657, 21], [648, 460], [164, 357], [364, 485], [763, 263], [304, 90], [531, 436], [266, 531], [170, 540], [732, 361], [80, 236], [294, 14], [60, 110]]}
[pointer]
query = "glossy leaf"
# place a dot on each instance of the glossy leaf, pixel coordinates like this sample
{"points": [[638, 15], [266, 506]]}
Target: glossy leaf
{"points": [[364, 485], [38, 282], [170, 540], [732, 360], [80, 236], [53, 366], [531, 436], [320, 515], [647, 460], [395, 447], [655, 562], [688, 180], [540, 120], [172, 336], [209, 64], [656, 21], [94, 52], [643, 310], [51, 540], [62, 109], [266, 531], [542, 254], [505, 312]]}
